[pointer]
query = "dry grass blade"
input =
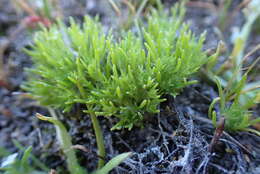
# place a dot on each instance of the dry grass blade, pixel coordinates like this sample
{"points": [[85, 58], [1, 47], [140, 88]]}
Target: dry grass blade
{"points": [[200, 4], [115, 7], [130, 6], [255, 49], [26, 7], [209, 122]]}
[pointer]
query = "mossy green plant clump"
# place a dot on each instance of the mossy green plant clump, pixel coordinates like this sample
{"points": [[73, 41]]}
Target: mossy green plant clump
{"points": [[235, 107], [124, 77]]}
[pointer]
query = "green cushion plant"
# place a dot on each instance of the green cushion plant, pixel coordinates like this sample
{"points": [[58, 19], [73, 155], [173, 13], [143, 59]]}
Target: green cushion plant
{"points": [[234, 106], [124, 77], [237, 95]]}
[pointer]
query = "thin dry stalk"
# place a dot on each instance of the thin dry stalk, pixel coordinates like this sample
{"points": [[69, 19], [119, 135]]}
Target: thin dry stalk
{"points": [[199, 4], [130, 6], [59, 9], [26, 7], [115, 7]]}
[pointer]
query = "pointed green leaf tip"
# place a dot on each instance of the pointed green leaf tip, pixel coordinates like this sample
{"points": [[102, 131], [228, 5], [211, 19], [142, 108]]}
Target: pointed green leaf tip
{"points": [[125, 78], [113, 163], [65, 143]]}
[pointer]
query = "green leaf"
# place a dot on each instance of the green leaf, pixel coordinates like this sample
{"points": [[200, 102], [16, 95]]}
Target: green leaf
{"points": [[214, 118], [65, 142], [212, 106], [113, 163], [25, 158], [221, 94]]}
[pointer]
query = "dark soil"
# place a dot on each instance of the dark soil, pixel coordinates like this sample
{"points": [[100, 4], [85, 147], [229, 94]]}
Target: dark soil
{"points": [[174, 141]]}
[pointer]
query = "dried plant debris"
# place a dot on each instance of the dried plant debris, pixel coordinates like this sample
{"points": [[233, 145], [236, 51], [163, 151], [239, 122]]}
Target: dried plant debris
{"points": [[185, 150]]}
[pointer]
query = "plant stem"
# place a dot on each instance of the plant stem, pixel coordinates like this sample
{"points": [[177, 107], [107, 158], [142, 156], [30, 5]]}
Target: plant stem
{"points": [[65, 142], [211, 106], [97, 130], [253, 131], [99, 139]]}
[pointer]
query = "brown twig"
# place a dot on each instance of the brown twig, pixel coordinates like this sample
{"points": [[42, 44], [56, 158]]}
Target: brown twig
{"points": [[84, 149], [115, 7], [237, 143], [243, 4], [205, 120], [256, 48], [200, 4], [80, 147], [26, 7], [130, 6]]}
